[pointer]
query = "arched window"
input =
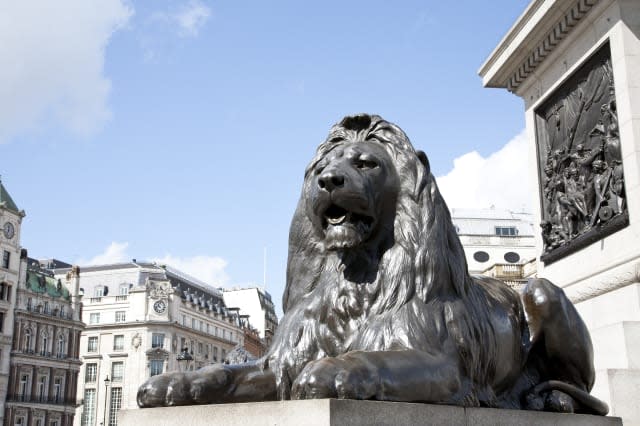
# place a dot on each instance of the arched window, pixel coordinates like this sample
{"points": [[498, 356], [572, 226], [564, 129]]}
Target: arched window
{"points": [[45, 343], [28, 341], [60, 346]]}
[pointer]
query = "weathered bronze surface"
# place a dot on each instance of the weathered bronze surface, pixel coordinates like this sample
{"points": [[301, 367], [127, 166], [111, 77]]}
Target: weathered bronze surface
{"points": [[379, 303], [579, 161]]}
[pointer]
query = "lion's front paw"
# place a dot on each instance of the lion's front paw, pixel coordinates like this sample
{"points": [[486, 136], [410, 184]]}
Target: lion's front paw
{"points": [[207, 385], [336, 378]]}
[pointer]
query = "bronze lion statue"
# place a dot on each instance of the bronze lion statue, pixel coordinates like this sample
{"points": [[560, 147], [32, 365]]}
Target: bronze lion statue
{"points": [[379, 303]]}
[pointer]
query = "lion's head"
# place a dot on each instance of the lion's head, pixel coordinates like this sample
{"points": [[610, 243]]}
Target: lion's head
{"points": [[367, 190]]}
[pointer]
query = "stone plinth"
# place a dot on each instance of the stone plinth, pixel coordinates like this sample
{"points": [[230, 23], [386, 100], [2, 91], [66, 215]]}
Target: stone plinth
{"points": [[540, 58], [333, 412]]}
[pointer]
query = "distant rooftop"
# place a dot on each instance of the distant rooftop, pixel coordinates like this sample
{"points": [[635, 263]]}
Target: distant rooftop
{"points": [[487, 222]]}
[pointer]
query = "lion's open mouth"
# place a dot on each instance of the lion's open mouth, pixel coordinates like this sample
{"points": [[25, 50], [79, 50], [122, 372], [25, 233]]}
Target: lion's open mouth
{"points": [[344, 228]]}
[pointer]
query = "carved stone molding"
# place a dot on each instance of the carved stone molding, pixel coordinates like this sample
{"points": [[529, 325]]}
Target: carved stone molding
{"points": [[560, 31], [620, 276]]}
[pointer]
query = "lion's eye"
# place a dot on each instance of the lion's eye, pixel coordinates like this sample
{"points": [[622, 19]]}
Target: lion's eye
{"points": [[365, 163]]}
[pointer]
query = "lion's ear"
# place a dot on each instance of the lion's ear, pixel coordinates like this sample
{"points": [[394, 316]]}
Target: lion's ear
{"points": [[424, 160]]}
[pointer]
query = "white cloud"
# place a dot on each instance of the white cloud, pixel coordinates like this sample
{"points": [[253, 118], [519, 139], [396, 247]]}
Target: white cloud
{"points": [[114, 253], [192, 18], [210, 269], [52, 56], [501, 179]]}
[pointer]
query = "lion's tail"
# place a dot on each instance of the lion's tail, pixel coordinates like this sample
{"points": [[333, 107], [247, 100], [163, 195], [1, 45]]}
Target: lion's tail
{"points": [[588, 403]]}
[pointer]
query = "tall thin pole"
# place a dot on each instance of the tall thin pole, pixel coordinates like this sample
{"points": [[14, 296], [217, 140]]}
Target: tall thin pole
{"points": [[264, 267]]}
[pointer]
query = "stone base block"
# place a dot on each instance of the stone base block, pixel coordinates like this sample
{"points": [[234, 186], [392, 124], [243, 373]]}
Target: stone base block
{"points": [[333, 412]]}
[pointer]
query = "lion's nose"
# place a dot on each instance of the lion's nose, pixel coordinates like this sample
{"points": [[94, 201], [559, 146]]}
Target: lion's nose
{"points": [[330, 181]]}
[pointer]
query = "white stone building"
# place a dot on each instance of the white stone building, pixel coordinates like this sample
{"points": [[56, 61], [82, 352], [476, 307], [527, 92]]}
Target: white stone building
{"points": [[10, 221], [139, 317], [495, 237]]}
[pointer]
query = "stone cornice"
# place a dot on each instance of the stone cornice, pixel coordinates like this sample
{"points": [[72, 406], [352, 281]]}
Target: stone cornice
{"points": [[531, 40]]}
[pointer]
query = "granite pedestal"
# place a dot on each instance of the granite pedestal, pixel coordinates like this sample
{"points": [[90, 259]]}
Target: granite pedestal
{"points": [[333, 412]]}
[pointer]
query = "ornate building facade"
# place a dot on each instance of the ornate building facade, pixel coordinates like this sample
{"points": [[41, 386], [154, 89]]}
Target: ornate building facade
{"points": [[140, 317]]}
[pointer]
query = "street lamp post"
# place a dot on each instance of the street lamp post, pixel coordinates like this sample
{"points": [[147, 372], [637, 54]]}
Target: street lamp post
{"points": [[106, 397], [184, 358]]}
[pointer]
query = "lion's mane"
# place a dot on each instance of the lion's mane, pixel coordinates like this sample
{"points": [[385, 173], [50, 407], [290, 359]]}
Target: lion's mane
{"points": [[417, 293]]}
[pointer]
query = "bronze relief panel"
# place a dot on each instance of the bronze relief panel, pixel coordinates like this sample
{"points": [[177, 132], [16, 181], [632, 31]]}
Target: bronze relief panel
{"points": [[579, 160]]}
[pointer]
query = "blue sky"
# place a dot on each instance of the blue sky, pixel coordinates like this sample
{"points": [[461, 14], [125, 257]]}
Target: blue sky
{"points": [[179, 131]]}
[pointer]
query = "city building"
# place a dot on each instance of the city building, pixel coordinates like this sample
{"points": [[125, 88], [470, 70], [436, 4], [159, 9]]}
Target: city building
{"points": [[44, 357], [256, 303], [10, 221], [140, 317], [496, 242], [39, 334]]}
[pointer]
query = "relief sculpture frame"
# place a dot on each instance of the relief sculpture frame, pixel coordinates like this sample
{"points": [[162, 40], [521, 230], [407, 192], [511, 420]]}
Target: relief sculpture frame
{"points": [[582, 194]]}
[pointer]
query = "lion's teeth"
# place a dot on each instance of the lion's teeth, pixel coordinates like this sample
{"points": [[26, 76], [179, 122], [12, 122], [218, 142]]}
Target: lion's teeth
{"points": [[336, 220]]}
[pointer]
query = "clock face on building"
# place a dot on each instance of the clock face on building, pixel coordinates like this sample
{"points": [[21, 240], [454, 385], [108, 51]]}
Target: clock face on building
{"points": [[160, 306], [8, 230]]}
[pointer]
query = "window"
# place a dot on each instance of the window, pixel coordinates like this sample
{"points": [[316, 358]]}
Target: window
{"points": [[98, 291], [94, 318], [117, 371], [1, 322], [24, 386], [215, 354], [45, 344], [118, 342], [4, 291], [116, 403], [46, 307], [512, 257], [208, 328], [89, 414], [506, 231], [224, 355], [157, 340], [481, 256], [6, 256], [28, 341], [57, 386], [200, 348], [60, 345], [201, 325], [193, 323], [92, 344], [121, 316], [91, 373], [124, 289], [184, 320], [156, 366], [42, 386]]}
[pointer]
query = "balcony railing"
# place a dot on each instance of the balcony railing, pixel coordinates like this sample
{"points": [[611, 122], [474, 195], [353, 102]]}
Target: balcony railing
{"points": [[52, 313], [122, 298], [43, 354], [41, 399]]}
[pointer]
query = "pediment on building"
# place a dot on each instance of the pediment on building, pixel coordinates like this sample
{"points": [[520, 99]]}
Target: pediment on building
{"points": [[157, 353]]}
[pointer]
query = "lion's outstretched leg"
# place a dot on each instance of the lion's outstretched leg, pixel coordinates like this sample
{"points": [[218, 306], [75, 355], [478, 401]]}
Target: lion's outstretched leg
{"points": [[402, 375], [561, 351], [209, 385]]}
